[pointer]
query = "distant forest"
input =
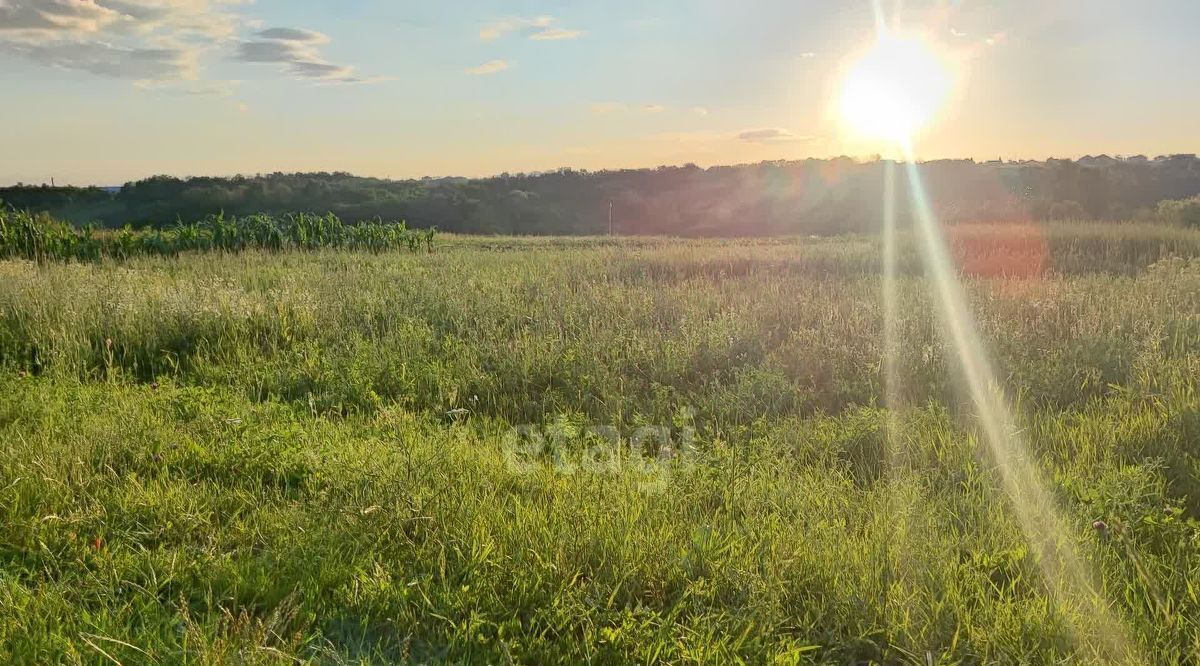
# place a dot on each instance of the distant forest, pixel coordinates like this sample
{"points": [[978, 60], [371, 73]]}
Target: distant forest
{"points": [[807, 196]]}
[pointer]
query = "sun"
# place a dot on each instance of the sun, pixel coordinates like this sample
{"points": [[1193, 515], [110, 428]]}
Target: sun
{"points": [[893, 89]]}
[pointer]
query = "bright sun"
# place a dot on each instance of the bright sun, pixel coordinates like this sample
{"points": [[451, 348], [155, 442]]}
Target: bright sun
{"points": [[893, 89]]}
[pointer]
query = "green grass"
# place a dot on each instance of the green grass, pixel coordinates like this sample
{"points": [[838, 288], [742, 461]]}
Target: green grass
{"points": [[263, 457], [39, 237]]}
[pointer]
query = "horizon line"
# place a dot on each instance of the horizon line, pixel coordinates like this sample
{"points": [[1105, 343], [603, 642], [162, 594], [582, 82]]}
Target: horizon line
{"points": [[859, 159]]}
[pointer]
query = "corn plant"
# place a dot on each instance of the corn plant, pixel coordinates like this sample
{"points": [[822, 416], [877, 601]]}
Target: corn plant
{"points": [[39, 237]]}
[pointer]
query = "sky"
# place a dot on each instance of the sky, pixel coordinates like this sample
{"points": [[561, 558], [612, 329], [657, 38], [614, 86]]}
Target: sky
{"points": [[107, 91]]}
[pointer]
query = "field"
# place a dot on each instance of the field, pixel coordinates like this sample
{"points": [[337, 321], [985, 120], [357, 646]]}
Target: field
{"points": [[588, 450]]}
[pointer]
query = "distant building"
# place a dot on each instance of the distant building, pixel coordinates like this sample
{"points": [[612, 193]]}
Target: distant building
{"points": [[1097, 161]]}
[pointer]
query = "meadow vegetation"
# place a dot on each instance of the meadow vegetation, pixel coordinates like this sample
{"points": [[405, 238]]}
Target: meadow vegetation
{"points": [[40, 237], [265, 457]]}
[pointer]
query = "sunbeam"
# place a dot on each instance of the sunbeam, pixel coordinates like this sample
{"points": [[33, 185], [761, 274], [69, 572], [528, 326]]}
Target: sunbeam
{"points": [[1096, 627], [889, 92], [891, 398]]}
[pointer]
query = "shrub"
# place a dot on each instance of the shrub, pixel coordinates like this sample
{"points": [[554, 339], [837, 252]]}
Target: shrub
{"points": [[1181, 212]]}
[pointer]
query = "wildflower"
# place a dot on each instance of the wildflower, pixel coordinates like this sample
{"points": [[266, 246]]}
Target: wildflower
{"points": [[1100, 526]]}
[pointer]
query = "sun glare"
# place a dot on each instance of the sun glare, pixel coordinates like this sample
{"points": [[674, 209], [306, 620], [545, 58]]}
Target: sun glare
{"points": [[891, 90]]}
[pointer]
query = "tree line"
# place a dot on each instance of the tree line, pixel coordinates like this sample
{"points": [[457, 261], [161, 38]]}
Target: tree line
{"points": [[813, 196]]}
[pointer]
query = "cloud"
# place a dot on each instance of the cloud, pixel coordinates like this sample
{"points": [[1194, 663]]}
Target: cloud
{"points": [[130, 39], [322, 70], [34, 19], [498, 29], [654, 108], [540, 28], [47, 20], [105, 59], [489, 67], [294, 35], [770, 135], [201, 18], [295, 49], [700, 111], [156, 42], [957, 33], [808, 54], [555, 34], [214, 88]]}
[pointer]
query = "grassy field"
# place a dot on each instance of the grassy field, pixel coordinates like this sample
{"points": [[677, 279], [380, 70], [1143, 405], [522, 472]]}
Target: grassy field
{"points": [[595, 451]]}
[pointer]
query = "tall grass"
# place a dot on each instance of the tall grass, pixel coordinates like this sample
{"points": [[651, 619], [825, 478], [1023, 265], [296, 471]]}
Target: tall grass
{"points": [[264, 457], [38, 237]]}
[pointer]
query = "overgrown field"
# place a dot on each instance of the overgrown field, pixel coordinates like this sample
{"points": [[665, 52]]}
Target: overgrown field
{"points": [[594, 450], [40, 237]]}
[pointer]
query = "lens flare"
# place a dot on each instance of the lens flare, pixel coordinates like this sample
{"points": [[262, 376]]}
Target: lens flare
{"points": [[1068, 576], [889, 93]]}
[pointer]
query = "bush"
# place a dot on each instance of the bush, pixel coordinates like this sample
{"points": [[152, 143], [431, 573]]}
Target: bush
{"points": [[1181, 212]]}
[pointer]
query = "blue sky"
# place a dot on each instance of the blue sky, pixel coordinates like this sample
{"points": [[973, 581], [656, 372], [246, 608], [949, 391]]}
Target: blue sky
{"points": [[103, 91]]}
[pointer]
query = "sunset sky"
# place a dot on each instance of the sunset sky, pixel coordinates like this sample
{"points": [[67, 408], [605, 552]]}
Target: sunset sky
{"points": [[105, 91]]}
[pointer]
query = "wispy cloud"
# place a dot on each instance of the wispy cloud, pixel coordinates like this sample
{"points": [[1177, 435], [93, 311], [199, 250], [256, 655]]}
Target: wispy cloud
{"points": [[540, 28], [700, 111], [296, 49], [157, 43], [957, 33], [770, 135], [497, 29], [555, 34], [108, 60], [214, 88], [294, 35], [489, 67], [808, 54], [46, 20], [33, 19], [130, 39], [653, 108]]}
